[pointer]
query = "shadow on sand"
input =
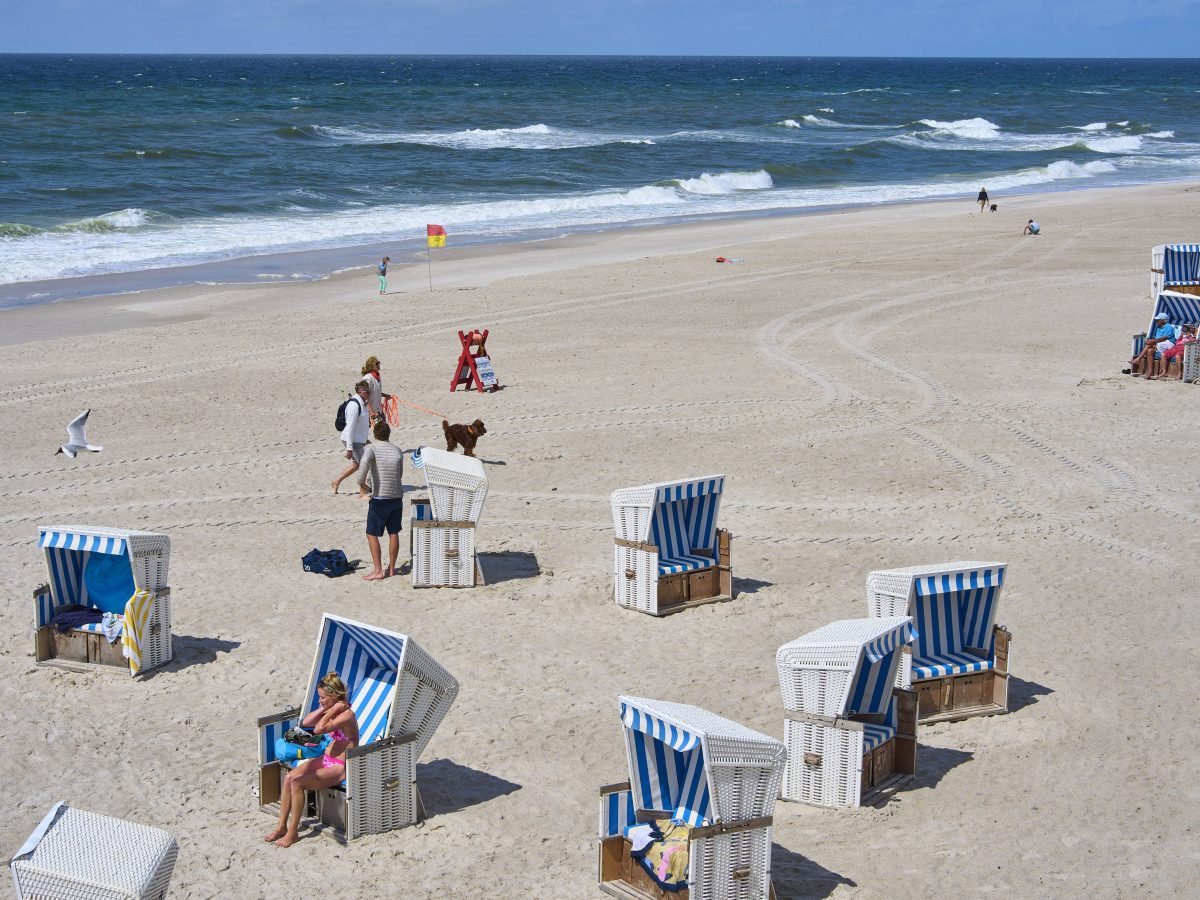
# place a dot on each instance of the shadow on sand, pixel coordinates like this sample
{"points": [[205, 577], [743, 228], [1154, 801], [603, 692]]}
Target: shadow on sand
{"points": [[193, 651], [796, 876], [508, 566], [1022, 693], [447, 787]]}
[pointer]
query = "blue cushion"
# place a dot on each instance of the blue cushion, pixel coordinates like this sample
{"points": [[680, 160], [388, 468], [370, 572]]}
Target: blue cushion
{"points": [[948, 664]]}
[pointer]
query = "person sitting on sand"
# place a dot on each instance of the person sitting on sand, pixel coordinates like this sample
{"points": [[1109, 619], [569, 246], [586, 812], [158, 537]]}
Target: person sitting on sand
{"points": [[1187, 335], [334, 717], [376, 396], [1032, 227], [383, 462], [354, 435], [1161, 337], [983, 199]]}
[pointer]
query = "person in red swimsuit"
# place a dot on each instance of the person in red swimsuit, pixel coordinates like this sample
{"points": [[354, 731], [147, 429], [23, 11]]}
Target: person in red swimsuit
{"points": [[334, 717]]}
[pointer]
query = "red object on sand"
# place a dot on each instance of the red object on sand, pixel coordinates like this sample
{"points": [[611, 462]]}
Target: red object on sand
{"points": [[722, 259], [466, 375]]}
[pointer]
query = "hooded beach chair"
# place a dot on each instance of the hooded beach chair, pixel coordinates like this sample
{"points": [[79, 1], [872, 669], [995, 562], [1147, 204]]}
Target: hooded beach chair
{"points": [[94, 571], [714, 780], [86, 856], [443, 526], [669, 553], [1180, 309], [851, 735], [400, 695], [1175, 267], [958, 663]]}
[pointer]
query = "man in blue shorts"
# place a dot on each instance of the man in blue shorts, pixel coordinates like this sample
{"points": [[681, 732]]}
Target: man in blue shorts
{"points": [[383, 463]]}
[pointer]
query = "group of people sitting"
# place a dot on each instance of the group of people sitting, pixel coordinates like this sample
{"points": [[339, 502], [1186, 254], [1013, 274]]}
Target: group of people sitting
{"points": [[1164, 345]]}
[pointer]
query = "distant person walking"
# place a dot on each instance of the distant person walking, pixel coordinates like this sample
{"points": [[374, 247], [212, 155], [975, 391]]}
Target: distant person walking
{"points": [[383, 264], [356, 432], [982, 199], [370, 373], [1032, 228], [383, 463]]}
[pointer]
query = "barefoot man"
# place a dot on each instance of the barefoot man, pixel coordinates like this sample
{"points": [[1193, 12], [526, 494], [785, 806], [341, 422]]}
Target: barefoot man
{"points": [[383, 462]]}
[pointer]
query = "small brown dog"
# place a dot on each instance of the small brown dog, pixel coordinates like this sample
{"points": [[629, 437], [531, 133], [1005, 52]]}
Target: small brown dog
{"points": [[466, 435]]}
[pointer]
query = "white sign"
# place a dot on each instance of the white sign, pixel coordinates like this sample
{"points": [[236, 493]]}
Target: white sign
{"points": [[483, 365]]}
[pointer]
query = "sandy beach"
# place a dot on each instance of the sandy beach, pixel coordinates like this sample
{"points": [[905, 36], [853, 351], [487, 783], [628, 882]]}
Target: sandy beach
{"points": [[882, 387]]}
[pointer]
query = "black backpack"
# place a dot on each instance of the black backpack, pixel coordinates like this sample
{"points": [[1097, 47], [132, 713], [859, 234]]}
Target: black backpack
{"points": [[339, 421], [330, 563]]}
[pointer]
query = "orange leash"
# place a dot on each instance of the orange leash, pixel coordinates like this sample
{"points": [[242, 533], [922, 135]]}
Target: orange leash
{"points": [[421, 408]]}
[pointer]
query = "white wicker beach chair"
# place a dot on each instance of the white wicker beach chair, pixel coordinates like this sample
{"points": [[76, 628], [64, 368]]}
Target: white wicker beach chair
{"points": [[959, 660], [851, 736], [443, 528], [669, 553], [1181, 309], [77, 855], [718, 778], [1175, 267], [400, 695], [104, 570]]}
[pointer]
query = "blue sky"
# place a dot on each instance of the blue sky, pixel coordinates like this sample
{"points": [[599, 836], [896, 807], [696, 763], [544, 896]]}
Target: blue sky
{"points": [[702, 27]]}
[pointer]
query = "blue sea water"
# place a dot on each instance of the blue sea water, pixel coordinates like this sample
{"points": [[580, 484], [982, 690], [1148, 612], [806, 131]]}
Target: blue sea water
{"points": [[111, 165]]}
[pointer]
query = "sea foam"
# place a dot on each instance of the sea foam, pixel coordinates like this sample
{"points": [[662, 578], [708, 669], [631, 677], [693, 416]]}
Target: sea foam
{"points": [[977, 128]]}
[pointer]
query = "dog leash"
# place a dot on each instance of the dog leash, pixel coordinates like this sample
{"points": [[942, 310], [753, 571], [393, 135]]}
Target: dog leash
{"points": [[421, 408]]}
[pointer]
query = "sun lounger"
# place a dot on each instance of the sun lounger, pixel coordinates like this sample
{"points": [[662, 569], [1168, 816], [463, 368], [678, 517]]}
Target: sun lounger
{"points": [[1181, 309], [1175, 267], [400, 695], [669, 553], [443, 528], [851, 736], [716, 779], [103, 570], [85, 856], [959, 660]]}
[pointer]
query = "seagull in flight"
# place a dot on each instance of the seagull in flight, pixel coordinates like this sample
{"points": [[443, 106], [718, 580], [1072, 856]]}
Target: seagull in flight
{"points": [[77, 437]]}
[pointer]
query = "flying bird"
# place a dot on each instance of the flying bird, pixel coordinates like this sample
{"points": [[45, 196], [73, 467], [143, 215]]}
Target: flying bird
{"points": [[77, 437]]}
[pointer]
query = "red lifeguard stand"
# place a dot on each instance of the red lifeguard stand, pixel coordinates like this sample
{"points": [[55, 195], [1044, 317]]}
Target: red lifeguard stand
{"points": [[474, 368]]}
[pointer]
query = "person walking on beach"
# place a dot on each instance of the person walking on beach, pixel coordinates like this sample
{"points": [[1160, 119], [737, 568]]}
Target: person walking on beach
{"points": [[354, 435], [383, 264], [370, 373], [1032, 228], [983, 200], [383, 462]]}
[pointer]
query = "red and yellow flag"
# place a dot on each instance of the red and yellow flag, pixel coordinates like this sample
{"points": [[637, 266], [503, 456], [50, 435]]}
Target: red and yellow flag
{"points": [[435, 235]]}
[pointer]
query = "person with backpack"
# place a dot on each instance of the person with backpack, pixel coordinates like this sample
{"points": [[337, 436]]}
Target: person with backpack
{"points": [[353, 421]]}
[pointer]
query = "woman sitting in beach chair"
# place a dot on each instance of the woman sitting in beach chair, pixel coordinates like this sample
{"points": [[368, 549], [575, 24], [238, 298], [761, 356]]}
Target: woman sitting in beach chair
{"points": [[333, 717]]}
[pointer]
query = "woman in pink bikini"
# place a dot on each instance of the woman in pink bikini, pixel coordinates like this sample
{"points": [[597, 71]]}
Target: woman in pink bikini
{"points": [[334, 717]]}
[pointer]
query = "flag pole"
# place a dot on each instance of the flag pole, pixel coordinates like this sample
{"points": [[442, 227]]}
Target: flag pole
{"points": [[429, 265]]}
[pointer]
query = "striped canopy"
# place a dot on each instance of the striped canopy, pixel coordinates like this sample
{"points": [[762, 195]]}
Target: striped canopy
{"points": [[667, 768], [1181, 309], [1181, 264], [956, 610], [684, 522], [81, 540], [871, 688], [368, 660]]}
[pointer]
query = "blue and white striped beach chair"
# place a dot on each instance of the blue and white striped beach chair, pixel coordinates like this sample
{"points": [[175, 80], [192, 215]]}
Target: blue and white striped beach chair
{"points": [[1181, 309], [443, 526], [104, 570], [1175, 267], [669, 553], [400, 695], [850, 734], [959, 660], [713, 775]]}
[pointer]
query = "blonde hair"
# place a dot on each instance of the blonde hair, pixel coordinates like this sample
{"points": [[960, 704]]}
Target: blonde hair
{"points": [[332, 684], [370, 365]]}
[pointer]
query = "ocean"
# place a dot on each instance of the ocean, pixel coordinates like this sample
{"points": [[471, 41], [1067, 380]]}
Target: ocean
{"points": [[127, 172]]}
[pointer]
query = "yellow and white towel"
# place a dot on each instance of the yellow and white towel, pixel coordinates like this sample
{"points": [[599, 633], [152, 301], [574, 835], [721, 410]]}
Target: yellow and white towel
{"points": [[137, 619]]}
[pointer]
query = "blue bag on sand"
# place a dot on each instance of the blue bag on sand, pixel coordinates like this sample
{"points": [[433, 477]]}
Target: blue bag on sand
{"points": [[330, 563], [289, 752]]}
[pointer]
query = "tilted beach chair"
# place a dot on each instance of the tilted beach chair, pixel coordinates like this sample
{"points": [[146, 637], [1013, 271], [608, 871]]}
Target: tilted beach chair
{"points": [[959, 660], [669, 553], [400, 695], [1175, 267], [443, 527], [851, 735], [715, 779], [93, 571], [86, 856], [1181, 309]]}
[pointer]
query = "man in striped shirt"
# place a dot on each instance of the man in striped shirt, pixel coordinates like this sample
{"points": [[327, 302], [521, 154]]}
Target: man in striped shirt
{"points": [[383, 463]]}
